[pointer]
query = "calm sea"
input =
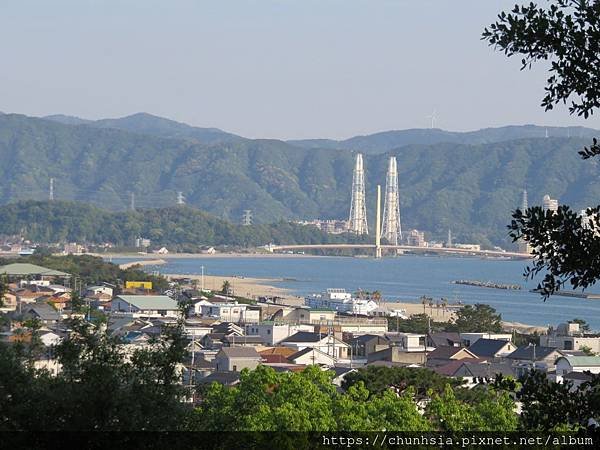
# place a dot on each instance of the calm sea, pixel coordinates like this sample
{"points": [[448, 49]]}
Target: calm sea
{"points": [[404, 278]]}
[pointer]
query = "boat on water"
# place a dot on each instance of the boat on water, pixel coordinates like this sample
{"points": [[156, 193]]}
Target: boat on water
{"points": [[341, 301]]}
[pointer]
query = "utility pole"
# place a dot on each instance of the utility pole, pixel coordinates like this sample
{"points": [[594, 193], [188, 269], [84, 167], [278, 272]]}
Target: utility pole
{"points": [[51, 194], [202, 278], [180, 198], [132, 201]]}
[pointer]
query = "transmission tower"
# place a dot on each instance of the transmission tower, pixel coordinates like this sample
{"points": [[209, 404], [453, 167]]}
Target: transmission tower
{"points": [[247, 217], [180, 198], [392, 230], [51, 193], [358, 208], [524, 203]]}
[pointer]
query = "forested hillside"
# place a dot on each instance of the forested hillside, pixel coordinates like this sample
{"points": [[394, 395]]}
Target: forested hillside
{"points": [[470, 189], [179, 227]]}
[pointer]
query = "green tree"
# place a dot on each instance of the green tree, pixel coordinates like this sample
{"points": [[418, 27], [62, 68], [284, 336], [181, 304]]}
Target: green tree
{"points": [[492, 412], [583, 325], [478, 318], [380, 379], [226, 287], [145, 393]]}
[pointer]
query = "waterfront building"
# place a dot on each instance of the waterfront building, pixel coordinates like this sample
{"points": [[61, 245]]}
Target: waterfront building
{"points": [[549, 204], [341, 301]]}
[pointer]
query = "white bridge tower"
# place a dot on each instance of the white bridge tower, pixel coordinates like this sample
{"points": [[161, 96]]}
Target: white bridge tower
{"points": [[391, 229], [357, 223]]}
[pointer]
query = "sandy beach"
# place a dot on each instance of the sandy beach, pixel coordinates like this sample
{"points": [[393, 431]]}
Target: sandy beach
{"points": [[244, 286]]}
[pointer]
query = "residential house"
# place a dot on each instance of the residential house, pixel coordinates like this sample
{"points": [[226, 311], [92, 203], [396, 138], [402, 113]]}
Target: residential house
{"points": [[476, 371], [273, 333], [365, 344], [569, 336], [443, 339], [443, 355], [468, 339], [492, 348], [408, 342], [234, 359], [327, 343], [9, 302], [531, 357], [145, 306], [310, 316], [568, 364], [312, 356], [340, 374], [100, 289], [242, 341], [276, 354], [396, 356], [230, 311], [228, 379], [46, 314]]}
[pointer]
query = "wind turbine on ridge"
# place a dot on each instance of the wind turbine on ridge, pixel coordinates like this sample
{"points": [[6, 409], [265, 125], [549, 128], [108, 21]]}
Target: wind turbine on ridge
{"points": [[433, 117]]}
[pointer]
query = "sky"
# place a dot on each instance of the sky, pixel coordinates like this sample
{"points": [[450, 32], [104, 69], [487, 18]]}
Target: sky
{"points": [[269, 68]]}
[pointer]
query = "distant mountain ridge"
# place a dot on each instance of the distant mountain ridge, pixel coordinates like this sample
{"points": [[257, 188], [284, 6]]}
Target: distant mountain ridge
{"points": [[381, 142], [144, 123], [389, 140]]}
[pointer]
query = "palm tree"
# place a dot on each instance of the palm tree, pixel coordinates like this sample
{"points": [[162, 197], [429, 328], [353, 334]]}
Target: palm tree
{"points": [[226, 288]]}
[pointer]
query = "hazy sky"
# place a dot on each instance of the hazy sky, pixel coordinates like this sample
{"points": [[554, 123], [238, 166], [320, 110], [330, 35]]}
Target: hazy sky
{"points": [[268, 68]]}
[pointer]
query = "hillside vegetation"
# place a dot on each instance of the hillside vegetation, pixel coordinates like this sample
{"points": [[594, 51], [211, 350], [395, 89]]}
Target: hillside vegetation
{"points": [[179, 227], [469, 188]]}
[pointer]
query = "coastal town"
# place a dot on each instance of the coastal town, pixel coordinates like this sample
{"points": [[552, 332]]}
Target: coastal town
{"points": [[338, 331]]}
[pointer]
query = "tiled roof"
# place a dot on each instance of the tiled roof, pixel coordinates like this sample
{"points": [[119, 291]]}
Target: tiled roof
{"points": [[487, 347], [582, 361], [527, 352], [24, 269], [447, 352], [240, 352], [305, 336], [150, 302]]}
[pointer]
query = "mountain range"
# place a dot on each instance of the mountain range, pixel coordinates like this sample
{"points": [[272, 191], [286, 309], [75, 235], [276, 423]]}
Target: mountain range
{"points": [[466, 182]]}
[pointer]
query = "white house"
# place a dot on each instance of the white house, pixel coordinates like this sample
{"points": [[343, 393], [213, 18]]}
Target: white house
{"points": [[145, 306], [327, 343], [230, 312], [273, 333], [312, 356], [95, 290]]}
